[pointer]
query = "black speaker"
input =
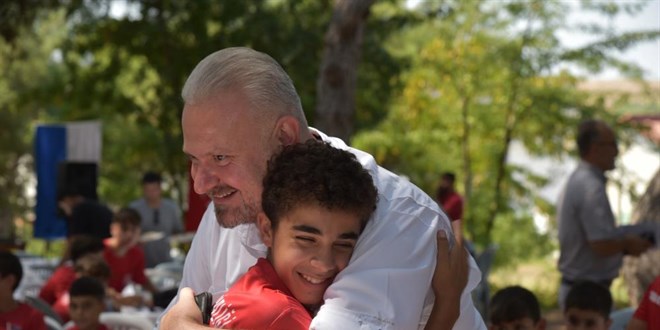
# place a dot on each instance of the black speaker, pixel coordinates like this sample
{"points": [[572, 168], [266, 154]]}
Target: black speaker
{"points": [[79, 177]]}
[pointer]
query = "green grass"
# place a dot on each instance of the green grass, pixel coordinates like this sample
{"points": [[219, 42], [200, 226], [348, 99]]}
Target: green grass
{"points": [[542, 278]]}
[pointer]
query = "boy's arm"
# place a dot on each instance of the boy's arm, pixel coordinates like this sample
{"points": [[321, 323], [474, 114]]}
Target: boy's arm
{"points": [[449, 280]]}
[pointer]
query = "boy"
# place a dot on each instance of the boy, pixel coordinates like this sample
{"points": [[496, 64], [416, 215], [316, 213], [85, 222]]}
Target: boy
{"points": [[123, 254], [14, 314], [87, 302], [588, 305], [57, 287], [316, 201], [515, 307]]}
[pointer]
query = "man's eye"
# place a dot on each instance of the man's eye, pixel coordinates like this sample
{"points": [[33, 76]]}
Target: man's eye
{"points": [[221, 159], [344, 245]]}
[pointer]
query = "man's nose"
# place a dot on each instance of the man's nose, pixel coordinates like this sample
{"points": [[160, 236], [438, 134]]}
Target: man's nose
{"points": [[203, 178]]}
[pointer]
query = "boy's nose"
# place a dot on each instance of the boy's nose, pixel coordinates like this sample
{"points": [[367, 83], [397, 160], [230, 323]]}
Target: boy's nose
{"points": [[324, 262]]}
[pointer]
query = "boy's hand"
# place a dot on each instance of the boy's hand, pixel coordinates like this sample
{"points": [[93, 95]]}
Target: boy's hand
{"points": [[184, 314]]}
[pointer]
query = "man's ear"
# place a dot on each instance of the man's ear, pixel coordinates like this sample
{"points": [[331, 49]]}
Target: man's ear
{"points": [[287, 131], [265, 229]]}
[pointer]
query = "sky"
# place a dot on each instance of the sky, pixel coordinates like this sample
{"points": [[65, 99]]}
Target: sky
{"points": [[646, 55]]}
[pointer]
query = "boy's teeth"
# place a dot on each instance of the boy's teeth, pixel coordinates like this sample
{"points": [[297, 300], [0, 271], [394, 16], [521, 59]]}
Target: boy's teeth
{"points": [[311, 279]]}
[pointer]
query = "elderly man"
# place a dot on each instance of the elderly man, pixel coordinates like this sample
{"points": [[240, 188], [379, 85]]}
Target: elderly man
{"points": [[240, 108]]}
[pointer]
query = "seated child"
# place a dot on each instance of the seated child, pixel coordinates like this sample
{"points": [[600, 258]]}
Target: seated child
{"points": [[55, 291], [123, 253], [316, 201], [14, 314], [515, 307], [647, 315], [588, 305], [87, 302]]}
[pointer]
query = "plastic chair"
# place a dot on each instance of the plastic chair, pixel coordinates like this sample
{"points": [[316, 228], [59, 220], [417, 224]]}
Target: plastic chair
{"points": [[621, 318], [52, 324], [126, 321], [45, 308]]}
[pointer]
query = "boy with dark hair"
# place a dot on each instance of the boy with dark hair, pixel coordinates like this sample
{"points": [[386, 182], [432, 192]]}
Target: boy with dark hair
{"points": [[588, 305], [316, 201], [123, 253], [87, 295], [14, 314], [58, 284], [515, 307]]}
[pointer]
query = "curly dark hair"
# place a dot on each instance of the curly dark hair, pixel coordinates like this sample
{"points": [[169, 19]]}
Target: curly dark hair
{"points": [[127, 218], [315, 173]]}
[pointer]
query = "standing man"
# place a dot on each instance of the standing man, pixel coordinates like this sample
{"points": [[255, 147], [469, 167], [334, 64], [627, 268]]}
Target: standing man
{"points": [[160, 216], [240, 109], [451, 202], [590, 248]]}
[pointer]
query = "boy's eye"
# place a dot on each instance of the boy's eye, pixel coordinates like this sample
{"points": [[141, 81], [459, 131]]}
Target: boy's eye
{"points": [[305, 239], [346, 245]]}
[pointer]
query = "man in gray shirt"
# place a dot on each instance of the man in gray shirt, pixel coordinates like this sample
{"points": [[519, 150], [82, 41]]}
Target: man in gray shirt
{"points": [[590, 246], [161, 217]]}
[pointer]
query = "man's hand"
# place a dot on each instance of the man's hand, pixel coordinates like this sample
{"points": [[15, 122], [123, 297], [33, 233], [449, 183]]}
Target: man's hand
{"points": [[635, 245], [449, 280], [184, 314]]}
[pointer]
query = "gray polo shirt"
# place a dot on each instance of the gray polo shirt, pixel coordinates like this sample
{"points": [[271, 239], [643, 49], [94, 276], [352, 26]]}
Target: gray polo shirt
{"points": [[169, 222], [584, 214]]}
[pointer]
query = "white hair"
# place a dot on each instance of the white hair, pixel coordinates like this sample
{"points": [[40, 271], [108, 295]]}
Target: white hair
{"points": [[268, 87]]}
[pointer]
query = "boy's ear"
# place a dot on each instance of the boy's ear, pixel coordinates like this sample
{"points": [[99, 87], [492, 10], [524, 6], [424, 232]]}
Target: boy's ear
{"points": [[287, 130], [265, 229]]}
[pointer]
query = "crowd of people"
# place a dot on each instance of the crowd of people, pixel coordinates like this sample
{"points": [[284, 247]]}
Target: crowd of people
{"points": [[304, 231]]}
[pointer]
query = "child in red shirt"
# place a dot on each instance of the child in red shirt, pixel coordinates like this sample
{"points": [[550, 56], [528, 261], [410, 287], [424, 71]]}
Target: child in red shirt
{"points": [[57, 287], [647, 315], [14, 314], [122, 253], [87, 302]]}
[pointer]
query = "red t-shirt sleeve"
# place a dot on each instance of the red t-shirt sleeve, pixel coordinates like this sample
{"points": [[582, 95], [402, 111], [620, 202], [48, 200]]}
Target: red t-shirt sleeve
{"points": [[138, 272], [291, 319]]}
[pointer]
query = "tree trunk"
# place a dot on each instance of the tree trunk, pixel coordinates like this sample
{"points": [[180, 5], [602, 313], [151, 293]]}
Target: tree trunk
{"points": [[639, 272], [335, 109]]}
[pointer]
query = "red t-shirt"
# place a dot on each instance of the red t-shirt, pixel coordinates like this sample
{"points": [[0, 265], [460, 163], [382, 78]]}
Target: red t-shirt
{"points": [[259, 300], [23, 317], [649, 308], [129, 267], [58, 284], [452, 204]]}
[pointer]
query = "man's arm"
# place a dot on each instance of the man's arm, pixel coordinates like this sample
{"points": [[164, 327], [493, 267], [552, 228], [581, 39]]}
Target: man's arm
{"points": [[449, 280], [630, 244]]}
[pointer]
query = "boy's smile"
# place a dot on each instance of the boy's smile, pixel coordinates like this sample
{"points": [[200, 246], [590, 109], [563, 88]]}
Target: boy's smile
{"points": [[309, 246]]}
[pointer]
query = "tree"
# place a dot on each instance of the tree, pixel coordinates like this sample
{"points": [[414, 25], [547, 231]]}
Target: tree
{"points": [[640, 272], [337, 79], [483, 77]]}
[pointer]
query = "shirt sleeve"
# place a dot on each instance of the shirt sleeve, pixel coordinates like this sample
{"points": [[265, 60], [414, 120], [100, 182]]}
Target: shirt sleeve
{"points": [[386, 283], [596, 215]]}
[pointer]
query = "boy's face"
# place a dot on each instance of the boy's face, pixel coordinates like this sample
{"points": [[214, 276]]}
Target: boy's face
{"points": [[577, 319], [309, 247], [125, 234], [521, 324], [85, 311]]}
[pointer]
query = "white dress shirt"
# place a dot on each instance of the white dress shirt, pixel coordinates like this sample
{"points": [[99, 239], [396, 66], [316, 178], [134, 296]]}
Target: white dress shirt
{"points": [[387, 283]]}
